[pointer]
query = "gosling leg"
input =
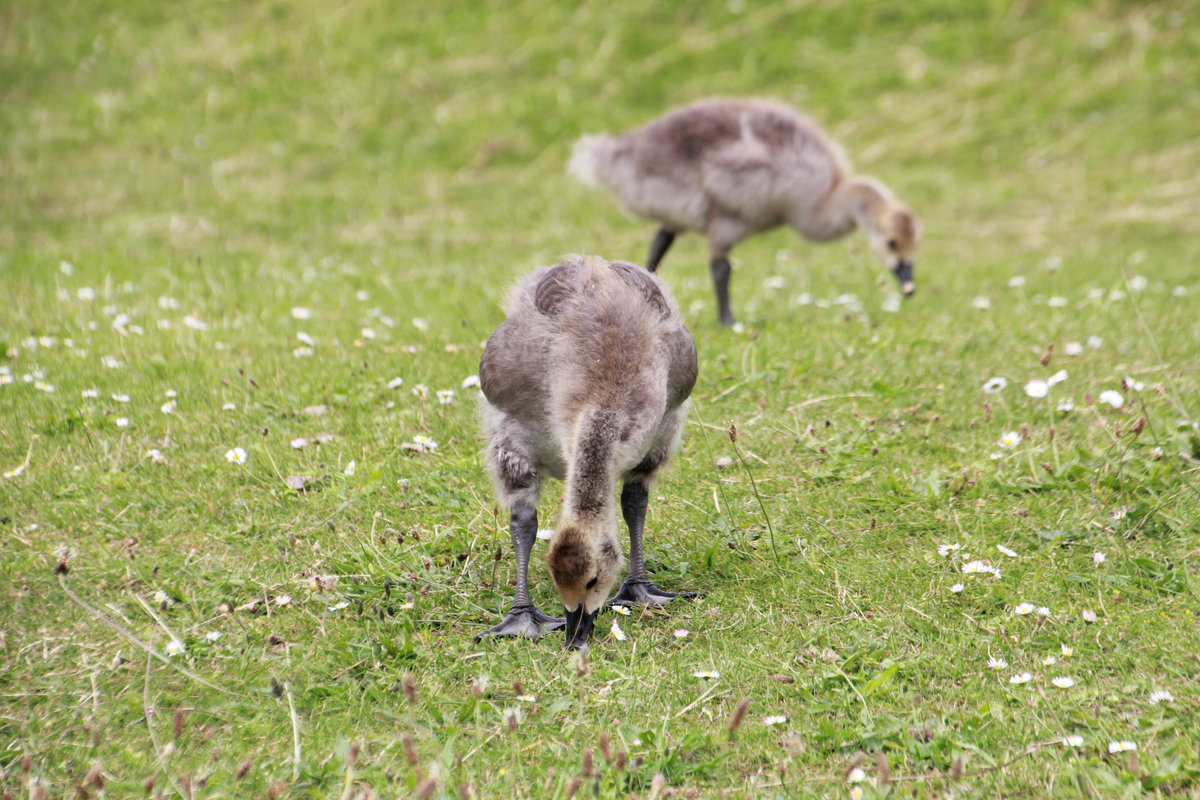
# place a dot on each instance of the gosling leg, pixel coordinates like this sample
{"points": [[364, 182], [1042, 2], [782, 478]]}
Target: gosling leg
{"points": [[658, 248], [524, 619], [637, 588]]}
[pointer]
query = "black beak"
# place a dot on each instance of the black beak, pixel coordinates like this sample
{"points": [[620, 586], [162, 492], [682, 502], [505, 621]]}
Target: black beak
{"points": [[904, 274], [579, 628]]}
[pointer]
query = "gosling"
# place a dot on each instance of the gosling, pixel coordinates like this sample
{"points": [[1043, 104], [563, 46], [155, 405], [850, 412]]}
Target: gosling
{"points": [[586, 380], [730, 168]]}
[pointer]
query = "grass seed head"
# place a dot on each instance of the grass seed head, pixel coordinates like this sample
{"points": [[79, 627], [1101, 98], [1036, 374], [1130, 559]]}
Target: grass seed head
{"points": [[739, 714], [410, 751], [589, 763], [410, 688], [573, 786], [242, 769], [605, 749], [883, 773], [427, 788]]}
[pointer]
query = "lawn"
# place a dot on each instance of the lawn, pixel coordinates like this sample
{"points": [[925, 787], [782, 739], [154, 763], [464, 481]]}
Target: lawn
{"points": [[250, 253]]}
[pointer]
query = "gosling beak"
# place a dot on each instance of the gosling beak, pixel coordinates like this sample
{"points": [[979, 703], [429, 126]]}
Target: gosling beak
{"points": [[904, 275], [579, 628]]}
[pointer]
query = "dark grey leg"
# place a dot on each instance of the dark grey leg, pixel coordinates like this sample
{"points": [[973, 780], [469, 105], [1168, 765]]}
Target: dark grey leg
{"points": [[721, 270], [635, 496], [658, 248], [524, 619]]}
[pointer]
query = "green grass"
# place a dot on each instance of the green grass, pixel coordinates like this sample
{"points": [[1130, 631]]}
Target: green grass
{"points": [[246, 159]]}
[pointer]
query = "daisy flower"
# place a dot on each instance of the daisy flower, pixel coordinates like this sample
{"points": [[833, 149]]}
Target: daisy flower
{"points": [[617, 633], [997, 663], [981, 303], [1131, 384], [229, 407], [856, 793], [168, 407], [1072, 349], [1016, 281], [426, 444], [622, 610], [1024, 608], [212, 636], [1122, 746], [445, 396], [302, 352], [994, 385], [1050, 661], [155, 455], [1057, 302], [300, 312], [1160, 696], [350, 468], [283, 600], [706, 673], [1006, 551], [681, 633], [395, 383], [1066, 406], [947, 549], [120, 398], [45, 387], [338, 606], [1020, 678], [1042, 611], [1114, 399], [299, 443], [305, 338], [1095, 342], [776, 719], [471, 381], [367, 333], [1066, 650], [1098, 558], [527, 698], [420, 324], [161, 598], [1136, 283], [1063, 682], [956, 588], [421, 391], [857, 775], [1037, 388], [1009, 439], [1074, 740], [235, 456], [1057, 377], [175, 648], [122, 422]]}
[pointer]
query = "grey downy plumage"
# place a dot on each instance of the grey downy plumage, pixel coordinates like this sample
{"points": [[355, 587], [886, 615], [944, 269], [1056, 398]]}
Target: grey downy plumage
{"points": [[586, 380], [731, 168]]}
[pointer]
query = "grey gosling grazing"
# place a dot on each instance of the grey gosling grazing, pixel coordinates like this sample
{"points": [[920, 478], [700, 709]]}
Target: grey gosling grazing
{"points": [[732, 168], [586, 380]]}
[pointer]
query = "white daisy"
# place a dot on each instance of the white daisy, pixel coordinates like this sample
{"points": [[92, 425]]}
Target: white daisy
{"points": [[1057, 302], [1066, 406], [122, 422], [1024, 608], [1094, 342], [1050, 661], [471, 381], [857, 775], [1098, 558], [776, 719], [1066, 650], [681, 633], [622, 610], [706, 673], [300, 312], [235, 456], [1114, 399], [1122, 746], [212, 636], [445, 396], [1037, 388], [617, 633], [283, 600], [995, 385], [367, 333], [426, 444], [1016, 281], [299, 443], [350, 468], [175, 647], [981, 303], [1136, 283], [1160, 696], [168, 407], [303, 352], [1009, 439], [1023, 677], [421, 391], [997, 663], [420, 324], [1072, 349], [1074, 740], [1057, 377], [956, 588], [156, 456], [229, 407], [1006, 551], [947, 549]]}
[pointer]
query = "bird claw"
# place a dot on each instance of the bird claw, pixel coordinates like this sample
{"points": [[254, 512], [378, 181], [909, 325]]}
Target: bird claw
{"points": [[526, 621], [645, 592]]}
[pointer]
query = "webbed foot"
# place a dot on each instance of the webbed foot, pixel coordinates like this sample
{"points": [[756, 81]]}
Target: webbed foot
{"points": [[645, 592], [525, 621]]}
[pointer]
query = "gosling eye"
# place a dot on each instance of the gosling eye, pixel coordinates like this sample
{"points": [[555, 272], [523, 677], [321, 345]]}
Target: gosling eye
{"points": [[892, 245], [592, 583]]}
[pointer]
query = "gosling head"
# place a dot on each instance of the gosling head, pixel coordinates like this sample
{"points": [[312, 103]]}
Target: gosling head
{"points": [[894, 234], [584, 565]]}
